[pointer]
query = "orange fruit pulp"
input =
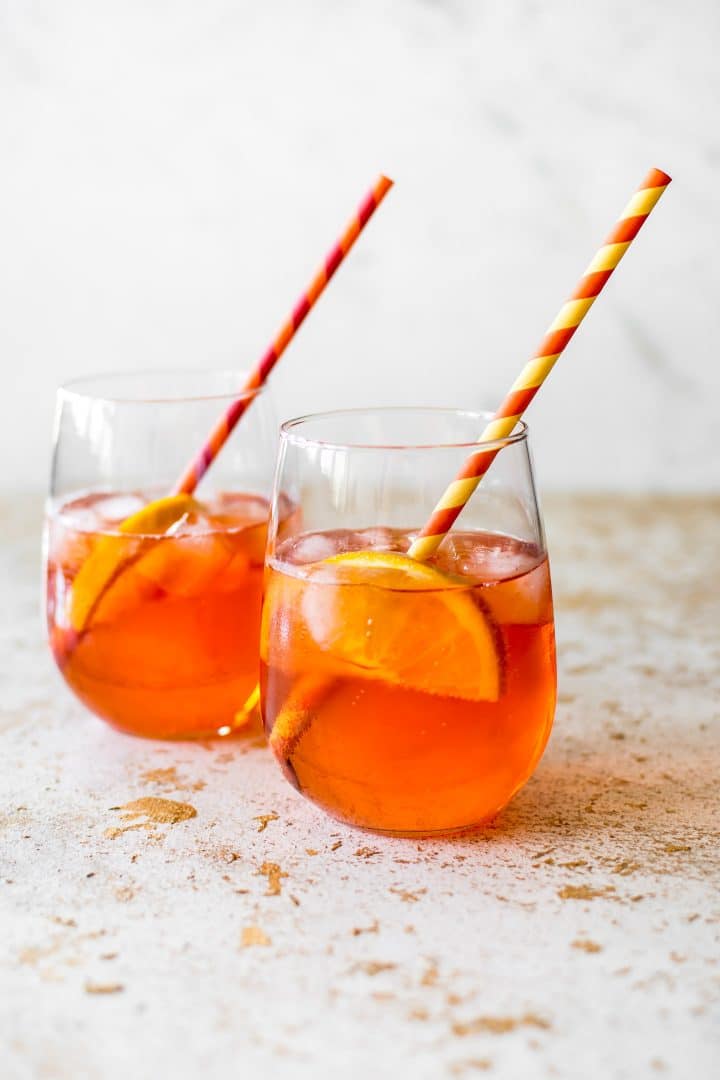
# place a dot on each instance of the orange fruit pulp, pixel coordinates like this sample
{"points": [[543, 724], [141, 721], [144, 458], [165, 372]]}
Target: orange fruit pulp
{"points": [[154, 617], [406, 697]]}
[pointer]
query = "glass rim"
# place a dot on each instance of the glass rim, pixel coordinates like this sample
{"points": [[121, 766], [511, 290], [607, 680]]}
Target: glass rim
{"points": [[519, 433], [80, 387]]}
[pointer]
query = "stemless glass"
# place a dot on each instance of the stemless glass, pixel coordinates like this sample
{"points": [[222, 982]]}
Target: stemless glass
{"points": [[405, 697], [153, 603]]}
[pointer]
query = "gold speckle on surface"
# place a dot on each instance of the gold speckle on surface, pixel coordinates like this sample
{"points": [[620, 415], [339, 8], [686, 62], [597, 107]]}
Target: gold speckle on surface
{"points": [[156, 812], [625, 867], [103, 988], [587, 892], [430, 976], [169, 779], [167, 776], [374, 967], [274, 876], [586, 945], [460, 1068], [419, 1013], [406, 896], [113, 832], [228, 855], [253, 935], [372, 929], [264, 820], [33, 953], [500, 1025], [161, 811]]}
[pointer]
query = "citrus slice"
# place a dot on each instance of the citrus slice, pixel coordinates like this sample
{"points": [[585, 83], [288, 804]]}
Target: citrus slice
{"points": [[297, 711], [111, 553], [377, 615], [406, 623]]}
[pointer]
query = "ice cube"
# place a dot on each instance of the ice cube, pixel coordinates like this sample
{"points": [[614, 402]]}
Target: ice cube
{"points": [[196, 524], [68, 546], [312, 547], [239, 509], [323, 613], [485, 556], [377, 539], [526, 599], [187, 564], [112, 509]]}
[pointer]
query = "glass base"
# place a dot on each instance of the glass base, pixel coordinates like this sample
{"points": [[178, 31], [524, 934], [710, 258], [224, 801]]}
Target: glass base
{"points": [[241, 723], [446, 832]]}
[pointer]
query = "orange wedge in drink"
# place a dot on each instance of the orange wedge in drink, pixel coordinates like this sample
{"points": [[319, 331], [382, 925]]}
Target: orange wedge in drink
{"points": [[297, 712], [112, 553], [380, 615], [390, 617]]}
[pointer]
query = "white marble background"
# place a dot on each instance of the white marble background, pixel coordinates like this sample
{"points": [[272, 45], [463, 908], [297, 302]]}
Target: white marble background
{"points": [[172, 171]]}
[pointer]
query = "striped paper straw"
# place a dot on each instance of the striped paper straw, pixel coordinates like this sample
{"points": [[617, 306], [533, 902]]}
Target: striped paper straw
{"points": [[199, 466], [537, 369]]}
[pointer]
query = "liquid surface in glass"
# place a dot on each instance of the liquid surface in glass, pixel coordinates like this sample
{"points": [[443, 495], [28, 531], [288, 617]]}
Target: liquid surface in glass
{"points": [[407, 697], [157, 631]]}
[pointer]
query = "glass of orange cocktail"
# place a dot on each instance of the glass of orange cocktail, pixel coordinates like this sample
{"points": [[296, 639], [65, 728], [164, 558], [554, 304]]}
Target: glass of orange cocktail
{"points": [[153, 599], [405, 696]]}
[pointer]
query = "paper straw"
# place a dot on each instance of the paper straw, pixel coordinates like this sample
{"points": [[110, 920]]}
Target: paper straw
{"points": [[199, 466], [537, 369]]}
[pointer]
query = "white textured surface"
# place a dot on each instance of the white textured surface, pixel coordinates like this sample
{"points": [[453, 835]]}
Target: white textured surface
{"points": [[172, 172], [386, 957]]}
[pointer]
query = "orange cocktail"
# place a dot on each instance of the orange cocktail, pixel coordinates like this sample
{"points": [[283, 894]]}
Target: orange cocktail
{"points": [[409, 697], [155, 627], [154, 587], [400, 694]]}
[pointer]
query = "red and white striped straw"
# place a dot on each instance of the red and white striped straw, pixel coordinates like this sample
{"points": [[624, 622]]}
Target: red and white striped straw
{"points": [[200, 464], [539, 366]]}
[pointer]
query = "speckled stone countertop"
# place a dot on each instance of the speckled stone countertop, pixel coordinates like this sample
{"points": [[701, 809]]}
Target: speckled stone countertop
{"points": [[242, 933]]}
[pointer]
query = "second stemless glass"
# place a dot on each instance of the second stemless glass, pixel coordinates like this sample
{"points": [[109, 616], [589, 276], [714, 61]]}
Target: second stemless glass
{"points": [[153, 603], [405, 697]]}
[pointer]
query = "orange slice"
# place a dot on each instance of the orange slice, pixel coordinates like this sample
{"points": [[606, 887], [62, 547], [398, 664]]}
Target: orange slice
{"points": [[111, 553], [404, 622], [379, 615], [296, 714]]}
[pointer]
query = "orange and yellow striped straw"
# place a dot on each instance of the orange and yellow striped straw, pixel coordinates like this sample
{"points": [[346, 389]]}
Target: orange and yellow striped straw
{"points": [[537, 369], [200, 464]]}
